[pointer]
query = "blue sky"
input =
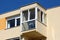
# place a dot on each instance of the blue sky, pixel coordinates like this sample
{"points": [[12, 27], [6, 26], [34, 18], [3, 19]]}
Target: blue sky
{"points": [[9, 5]]}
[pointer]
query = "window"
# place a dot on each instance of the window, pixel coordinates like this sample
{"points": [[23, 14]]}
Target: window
{"points": [[28, 25], [28, 14], [13, 22], [44, 18], [18, 21], [32, 13], [41, 16], [31, 24], [25, 15]]}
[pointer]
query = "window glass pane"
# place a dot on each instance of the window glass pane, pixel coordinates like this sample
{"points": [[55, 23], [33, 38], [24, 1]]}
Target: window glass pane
{"points": [[41, 16], [29, 25], [32, 13], [11, 23], [25, 15], [18, 21], [44, 18], [25, 26]]}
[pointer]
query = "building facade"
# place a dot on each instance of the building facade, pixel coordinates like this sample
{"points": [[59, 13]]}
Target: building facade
{"points": [[30, 22]]}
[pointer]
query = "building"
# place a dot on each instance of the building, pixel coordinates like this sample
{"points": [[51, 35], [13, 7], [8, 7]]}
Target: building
{"points": [[30, 22]]}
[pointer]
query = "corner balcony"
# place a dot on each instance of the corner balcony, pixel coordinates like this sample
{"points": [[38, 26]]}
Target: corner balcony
{"points": [[30, 24]]}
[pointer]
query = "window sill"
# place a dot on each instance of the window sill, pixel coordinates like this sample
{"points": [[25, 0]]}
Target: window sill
{"points": [[12, 27]]}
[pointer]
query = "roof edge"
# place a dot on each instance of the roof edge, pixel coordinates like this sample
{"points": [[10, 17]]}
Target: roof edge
{"points": [[34, 3], [53, 7]]}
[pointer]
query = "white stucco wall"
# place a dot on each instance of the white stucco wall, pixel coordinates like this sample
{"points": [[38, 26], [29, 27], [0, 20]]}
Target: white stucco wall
{"points": [[53, 23]]}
